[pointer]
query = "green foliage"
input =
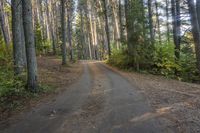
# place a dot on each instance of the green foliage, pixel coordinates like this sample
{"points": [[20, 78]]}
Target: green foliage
{"points": [[6, 53], [10, 87], [162, 63], [121, 59], [13, 92], [188, 63], [42, 45]]}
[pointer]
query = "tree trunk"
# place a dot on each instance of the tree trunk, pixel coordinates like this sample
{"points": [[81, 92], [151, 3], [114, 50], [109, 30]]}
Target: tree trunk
{"points": [[49, 20], [176, 27], [167, 23], [121, 22], [23, 41], [116, 23], [198, 11], [128, 26], [18, 48], [107, 27], [151, 22], [158, 22], [30, 45], [195, 30], [4, 27], [63, 27], [69, 28]]}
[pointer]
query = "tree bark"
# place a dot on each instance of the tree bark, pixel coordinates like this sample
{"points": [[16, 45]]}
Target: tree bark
{"points": [[63, 28], [107, 27], [195, 30], [50, 23], [176, 22], [121, 22], [158, 22], [151, 22], [18, 38], [167, 23], [116, 23], [69, 28], [4, 26], [32, 82]]}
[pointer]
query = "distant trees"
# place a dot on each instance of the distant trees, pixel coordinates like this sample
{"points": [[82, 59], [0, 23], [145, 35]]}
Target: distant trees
{"points": [[140, 34], [155, 34], [42, 25]]}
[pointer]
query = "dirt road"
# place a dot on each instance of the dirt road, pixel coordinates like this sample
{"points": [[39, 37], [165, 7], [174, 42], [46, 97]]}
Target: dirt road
{"points": [[101, 101]]}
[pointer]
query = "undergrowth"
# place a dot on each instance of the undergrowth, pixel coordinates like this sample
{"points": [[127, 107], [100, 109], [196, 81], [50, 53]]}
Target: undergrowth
{"points": [[161, 63], [13, 92]]}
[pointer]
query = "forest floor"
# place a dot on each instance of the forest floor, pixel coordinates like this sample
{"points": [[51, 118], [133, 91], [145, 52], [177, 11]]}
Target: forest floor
{"points": [[52, 73], [53, 78], [107, 100]]}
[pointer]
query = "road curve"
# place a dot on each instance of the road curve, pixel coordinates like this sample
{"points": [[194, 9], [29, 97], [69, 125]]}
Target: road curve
{"points": [[101, 101]]}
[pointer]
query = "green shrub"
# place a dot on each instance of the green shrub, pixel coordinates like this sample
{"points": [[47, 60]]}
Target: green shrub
{"points": [[121, 59], [160, 62], [164, 60]]}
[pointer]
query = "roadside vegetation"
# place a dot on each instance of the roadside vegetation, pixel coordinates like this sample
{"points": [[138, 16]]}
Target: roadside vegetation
{"points": [[161, 63]]}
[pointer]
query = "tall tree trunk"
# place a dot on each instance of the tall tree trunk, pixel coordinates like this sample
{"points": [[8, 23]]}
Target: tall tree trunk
{"points": [[176, 27], [195, 30], [69, 28], [116, 23], [23, 41], [143, 22], [18, 48], [167, 23], [128, 26], [151, 22], [107, 27], [81, 54], [50, 23], [4, 25], [30, 45], [121, 22], [198, 11], [63, 28], [158, 22]]}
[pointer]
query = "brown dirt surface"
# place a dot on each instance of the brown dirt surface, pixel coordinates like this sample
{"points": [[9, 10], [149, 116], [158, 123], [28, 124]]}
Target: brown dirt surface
{"points": [[177, 103], [58, 77], [52, 74]]}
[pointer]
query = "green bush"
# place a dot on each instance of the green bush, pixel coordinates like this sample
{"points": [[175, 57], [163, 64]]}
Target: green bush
{"points": [[164, 60], [121, 59], [160, 62]]}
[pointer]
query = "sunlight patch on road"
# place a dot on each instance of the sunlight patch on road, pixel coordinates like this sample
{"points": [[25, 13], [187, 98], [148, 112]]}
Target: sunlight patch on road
{"points": [[149, 115], [160, 112]]}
